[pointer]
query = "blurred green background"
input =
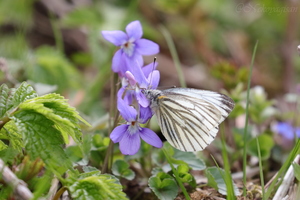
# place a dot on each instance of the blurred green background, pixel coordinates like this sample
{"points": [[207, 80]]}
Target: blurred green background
{"points": [[57, 45]]}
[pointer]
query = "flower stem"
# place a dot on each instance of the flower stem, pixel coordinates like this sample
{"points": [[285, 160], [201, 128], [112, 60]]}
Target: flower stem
{"points": [[113, 111], [186, 195], [246, 123]]}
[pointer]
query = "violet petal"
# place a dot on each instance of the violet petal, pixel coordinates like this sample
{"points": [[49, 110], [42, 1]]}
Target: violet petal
{"points": [[130, 78], [118, 62], [115, 37], [135, 60], [150, 137], [153, 79], [130, 143], [134, 30], [141, 98], [146, 47], [147, 69], [145, 114], [127, 112], [118, 133]]}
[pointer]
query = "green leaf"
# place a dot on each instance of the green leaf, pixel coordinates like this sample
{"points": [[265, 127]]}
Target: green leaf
{"points": [[74, 153], [185, 176], [266, 144], [164, 186], [41, 139], [190, 158], [9, 155], [11, 98], [56, 109], [96, 188], [121, 168], [5, 103], [2, 146], [296, 167], [89, 171], [10, 132], [215, 179]]}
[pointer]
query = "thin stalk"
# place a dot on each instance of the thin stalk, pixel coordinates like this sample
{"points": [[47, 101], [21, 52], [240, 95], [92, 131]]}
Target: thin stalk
{"points": [[174, 54], [261, 173], [246, 123], [57, 33], [113, 112], [227, 178], [186, 195], [59, 193]]}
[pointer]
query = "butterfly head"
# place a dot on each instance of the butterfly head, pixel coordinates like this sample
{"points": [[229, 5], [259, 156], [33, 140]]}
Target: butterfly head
{"points": [[151, 94]]}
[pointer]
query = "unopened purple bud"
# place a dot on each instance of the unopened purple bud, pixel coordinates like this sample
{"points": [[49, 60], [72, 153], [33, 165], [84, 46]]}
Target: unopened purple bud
{"points": [[130, 78]]}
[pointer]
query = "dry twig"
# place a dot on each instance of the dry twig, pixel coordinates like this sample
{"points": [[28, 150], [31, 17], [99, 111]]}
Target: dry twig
{"points": [[19, 186]]}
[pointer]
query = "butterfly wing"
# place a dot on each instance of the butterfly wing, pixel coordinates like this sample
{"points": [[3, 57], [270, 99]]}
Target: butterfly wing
{"points": [[189, 118]]}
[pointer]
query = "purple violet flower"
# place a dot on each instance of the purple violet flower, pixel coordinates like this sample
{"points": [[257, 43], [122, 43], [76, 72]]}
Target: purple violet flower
{"points": [[132, 46], [129, 134], [287, 130], [133, 83]]}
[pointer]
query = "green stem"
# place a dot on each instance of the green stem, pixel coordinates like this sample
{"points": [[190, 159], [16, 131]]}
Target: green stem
{"points": [[57, 33], [227, 177], [186, 195], [174, 54], [261, 173], [246, 123]]}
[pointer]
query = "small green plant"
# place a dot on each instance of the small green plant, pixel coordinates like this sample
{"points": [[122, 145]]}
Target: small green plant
{"points": [[42, 125]]}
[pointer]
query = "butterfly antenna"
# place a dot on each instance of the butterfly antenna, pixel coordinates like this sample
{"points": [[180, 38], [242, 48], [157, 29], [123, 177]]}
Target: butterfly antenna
{"points": [[150, 80]]}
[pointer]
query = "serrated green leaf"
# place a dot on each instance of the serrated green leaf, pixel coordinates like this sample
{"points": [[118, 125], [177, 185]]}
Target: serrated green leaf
{"points": [[121, 168], [3, 145], [41, 139], [10, 132], [164, 186], [215, 180], [4, 103], [11, 98], [89, 171], [8, 155], [23, 93], [97, 188], [56, 109]]}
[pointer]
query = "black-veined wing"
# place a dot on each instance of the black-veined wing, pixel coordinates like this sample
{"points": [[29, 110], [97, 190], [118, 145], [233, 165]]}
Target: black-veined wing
{"points": [[189, 118]]}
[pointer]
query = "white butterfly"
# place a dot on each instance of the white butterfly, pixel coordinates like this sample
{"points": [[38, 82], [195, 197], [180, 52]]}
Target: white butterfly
{"points": [[189, 118]]}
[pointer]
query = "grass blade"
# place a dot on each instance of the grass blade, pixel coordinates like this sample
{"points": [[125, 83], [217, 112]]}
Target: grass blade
{"points": [[246, 122], [227, 177], [261, 173], [174, 54]]}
